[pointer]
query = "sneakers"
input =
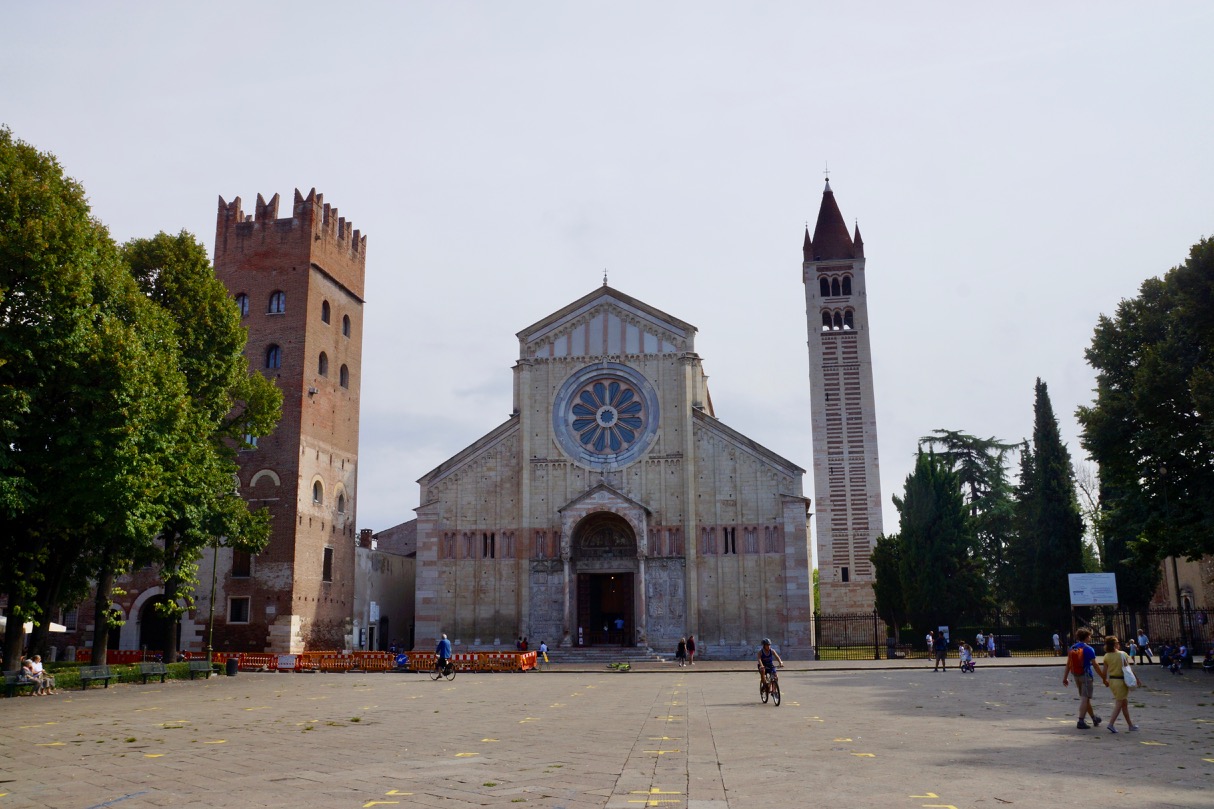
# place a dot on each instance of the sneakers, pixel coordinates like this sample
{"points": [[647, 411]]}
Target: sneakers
{"points": [[1133, 728], [1112, 729], [1096, 720], [1082, 725]]}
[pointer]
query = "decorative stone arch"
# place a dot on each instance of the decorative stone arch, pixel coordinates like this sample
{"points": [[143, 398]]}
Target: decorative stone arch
{"points": [[264, 473], [341, 501], [604, 498]]}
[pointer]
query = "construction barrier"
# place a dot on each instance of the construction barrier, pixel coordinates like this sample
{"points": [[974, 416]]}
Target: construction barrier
{"points": [[336, 661]]}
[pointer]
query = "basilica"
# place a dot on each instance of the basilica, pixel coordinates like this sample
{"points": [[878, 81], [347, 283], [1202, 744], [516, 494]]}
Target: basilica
{"points": [[613, 507]]}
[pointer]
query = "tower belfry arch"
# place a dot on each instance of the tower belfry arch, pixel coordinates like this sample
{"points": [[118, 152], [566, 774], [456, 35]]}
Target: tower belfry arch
{"points": [[847, 481]]}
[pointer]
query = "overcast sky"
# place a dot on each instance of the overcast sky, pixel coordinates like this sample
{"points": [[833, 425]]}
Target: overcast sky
{"points": [[1016, 170]]}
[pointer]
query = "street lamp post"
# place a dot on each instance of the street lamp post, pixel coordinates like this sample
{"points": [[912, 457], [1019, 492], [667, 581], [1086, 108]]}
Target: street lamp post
{"points": [[1167, 519], [211, 618]]}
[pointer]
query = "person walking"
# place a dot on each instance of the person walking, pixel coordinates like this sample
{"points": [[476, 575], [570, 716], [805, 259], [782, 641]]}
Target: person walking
{"points": [[680, 652], [1115, 664], [691, 650], [1081, 664], [940, 647], [990, 646], [1144, 647], [931, 638], [1057, 645]]}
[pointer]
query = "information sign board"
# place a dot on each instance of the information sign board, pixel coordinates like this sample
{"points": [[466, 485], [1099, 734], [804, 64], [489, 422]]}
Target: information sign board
{"points": [[1093, 589]]}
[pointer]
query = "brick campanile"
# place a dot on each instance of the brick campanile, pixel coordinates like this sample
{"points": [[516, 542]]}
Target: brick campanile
{"points": [[847, 481], [299, 283]]}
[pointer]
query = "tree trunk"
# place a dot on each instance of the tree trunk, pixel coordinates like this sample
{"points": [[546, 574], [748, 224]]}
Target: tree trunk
{"points": [[101, 613], [14, 638], [171, 588]]}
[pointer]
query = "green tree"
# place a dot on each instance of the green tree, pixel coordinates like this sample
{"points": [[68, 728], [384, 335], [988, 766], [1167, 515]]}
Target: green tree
{"points": [[86, 393], [225, 404], [940, 574], [1048, 541], [889, 600], [981, 467], [1151, 426]]}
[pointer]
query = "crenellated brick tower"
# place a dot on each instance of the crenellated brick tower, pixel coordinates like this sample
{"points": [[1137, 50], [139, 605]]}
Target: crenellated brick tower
{"points": [[847, 482], [299, 283]]}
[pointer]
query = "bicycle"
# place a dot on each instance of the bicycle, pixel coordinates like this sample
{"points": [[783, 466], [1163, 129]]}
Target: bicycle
{"points": [[447, 671], [769, 686]]}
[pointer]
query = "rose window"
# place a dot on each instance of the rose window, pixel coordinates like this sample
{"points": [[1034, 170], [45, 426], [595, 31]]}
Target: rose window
{"points": [[607, 416]]}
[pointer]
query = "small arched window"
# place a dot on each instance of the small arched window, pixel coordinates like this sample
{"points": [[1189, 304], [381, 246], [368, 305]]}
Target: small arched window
{"points": [[826, 321], [344, 377], [318, 492], [834, 287], [847, 320], [324, 311], [847, 285], [323, 366], [242, 302], [273, 357], [341, 504], [824, 287], [345, 325], [838, 321], [278, 302]]}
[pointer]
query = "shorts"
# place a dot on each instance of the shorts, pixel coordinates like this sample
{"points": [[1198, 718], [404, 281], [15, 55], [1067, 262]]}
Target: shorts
{"points": [[1084, 683]]}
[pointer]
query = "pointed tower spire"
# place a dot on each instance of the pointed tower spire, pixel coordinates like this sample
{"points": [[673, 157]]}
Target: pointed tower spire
{"points": [[808, 247], [857, 242], [831, 240]]}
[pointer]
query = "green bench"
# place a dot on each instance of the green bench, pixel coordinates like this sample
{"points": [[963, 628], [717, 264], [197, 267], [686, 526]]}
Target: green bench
{"points": [[152, 670], [200, 667], [14, 680], [90, 673]]}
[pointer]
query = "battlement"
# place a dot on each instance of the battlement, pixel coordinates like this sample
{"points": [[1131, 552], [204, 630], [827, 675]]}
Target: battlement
{"points": [[310, 216]]}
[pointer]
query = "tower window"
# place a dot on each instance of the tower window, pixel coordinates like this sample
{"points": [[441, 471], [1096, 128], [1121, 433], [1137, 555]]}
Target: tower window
{"points": [[847, 285], [345, 325], [488, 545], [273, 357], [826, 321], [834, 286], [242, 303], [844, 575], [318, 492], [838, 321], [278, 302], [242, 564], [824, 287], [250, 441], [848, 323], [341, 504], [322, 367], [324, 311], [326, 573], [238, 610], [344, 376]]}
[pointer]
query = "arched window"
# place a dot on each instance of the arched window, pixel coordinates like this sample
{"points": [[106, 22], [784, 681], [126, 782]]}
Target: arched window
{"points": [[847, 319], [838, 321], [345, 325], [242, 301], [323, 366], [278, 302], [826, 321], [847, 285], [318, 492], [344, 377], [834, 287], [341, 504], [824, 286], [273, 357], [324, 311]]}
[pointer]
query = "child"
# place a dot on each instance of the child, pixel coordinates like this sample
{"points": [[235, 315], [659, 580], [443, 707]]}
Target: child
{"points": [[967, 657]]}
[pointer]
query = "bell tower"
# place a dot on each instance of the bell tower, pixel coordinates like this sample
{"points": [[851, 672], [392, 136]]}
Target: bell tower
{"points": [[847, 482]]}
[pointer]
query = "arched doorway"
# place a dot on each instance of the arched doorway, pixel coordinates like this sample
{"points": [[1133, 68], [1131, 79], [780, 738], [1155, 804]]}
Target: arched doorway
{"points": [[604, 551], [155, 626]]}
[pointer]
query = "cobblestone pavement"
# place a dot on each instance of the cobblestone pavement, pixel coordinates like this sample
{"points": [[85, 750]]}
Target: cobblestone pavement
{"points": [[880, 734]]}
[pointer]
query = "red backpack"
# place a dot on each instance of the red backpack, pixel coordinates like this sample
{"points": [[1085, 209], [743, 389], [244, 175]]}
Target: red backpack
{"points": [[1074, 660]]}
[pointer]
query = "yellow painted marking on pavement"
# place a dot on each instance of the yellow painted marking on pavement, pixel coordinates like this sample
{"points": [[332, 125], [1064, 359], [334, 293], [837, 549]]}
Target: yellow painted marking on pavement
{"points": [[141, 710], [557, 705], [655, 801], [654, 791], [840, 740], [316, 698], [865, 755], [378, 803], [816, 719], [397, 792], [489, 740], [152, 755], [55, 723], [50, 744], [663, 752], [27, 727], [670, 718], [217, 741], [466, 755], [259, 708], [928, 795], [938, 806], [528, 719], [1155, 744], [795, 704], [664, 738]]}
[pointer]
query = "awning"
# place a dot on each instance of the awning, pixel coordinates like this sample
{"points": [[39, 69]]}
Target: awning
{"points": [[29, 625]]}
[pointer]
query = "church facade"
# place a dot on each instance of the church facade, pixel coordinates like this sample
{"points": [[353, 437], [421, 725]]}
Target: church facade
{"points": [[612, 507]]}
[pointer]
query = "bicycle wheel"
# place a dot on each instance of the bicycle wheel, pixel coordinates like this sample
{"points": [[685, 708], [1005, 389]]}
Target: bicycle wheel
{"points": [[435, 673], [449, 672], [775, 692], [763, 691]]}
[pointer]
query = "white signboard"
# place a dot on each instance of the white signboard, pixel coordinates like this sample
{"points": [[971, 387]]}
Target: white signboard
{"points": [[374, 613], [1093, 589]]}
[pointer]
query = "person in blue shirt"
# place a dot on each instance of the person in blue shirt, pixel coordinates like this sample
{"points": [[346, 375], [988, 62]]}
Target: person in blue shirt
{"points": [[443, 652], [1085, 679], [768, 659]]}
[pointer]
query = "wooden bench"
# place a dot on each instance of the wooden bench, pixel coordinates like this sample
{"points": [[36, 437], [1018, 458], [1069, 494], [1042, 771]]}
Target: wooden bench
{"points": [[152, 670], [13, 680], [200, 667], [90, 673]]}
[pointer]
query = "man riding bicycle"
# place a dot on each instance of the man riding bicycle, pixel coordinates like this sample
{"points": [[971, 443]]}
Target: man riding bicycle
{"points": [[442, 653], [768, 660]]}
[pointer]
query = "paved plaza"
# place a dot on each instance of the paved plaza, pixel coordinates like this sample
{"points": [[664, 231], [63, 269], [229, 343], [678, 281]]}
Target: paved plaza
{"points": [[847, 735]]}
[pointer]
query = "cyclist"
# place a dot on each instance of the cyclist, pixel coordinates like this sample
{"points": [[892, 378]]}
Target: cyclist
{"points": [[768, 660], [442, 653]]}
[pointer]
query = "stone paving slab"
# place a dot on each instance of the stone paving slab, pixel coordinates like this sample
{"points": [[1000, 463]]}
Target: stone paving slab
{"points": [[880, 734]]}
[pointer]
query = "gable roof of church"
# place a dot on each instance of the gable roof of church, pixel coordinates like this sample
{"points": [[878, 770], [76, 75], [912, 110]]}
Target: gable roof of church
{"points": [[604, 487], [702, 419], [600, 295]]}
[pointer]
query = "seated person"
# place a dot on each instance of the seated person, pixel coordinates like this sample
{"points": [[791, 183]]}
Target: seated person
{"points": [[46, 683]]}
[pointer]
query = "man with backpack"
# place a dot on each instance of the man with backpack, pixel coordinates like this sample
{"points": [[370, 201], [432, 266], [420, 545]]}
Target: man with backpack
{"points": [[1081, 663]]}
